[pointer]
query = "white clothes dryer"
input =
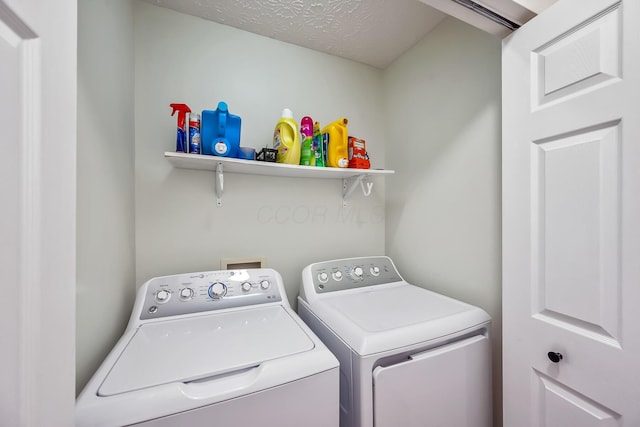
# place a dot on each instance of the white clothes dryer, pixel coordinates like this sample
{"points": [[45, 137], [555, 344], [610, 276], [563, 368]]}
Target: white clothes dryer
{"points": [[408, 357], [217, 348]]}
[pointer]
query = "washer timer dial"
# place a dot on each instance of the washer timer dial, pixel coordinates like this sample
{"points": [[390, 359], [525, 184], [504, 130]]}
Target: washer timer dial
{"points": [[217, 290]]}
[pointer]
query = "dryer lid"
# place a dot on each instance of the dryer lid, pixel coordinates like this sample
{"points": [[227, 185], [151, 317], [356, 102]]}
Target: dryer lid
{"points": [[199, 347], [383, 318]]}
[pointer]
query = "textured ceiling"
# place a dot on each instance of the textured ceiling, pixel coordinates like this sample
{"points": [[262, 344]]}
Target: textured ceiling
{"points": [[373, 32]]}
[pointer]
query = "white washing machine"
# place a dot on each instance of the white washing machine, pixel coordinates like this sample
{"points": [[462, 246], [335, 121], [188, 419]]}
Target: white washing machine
{"points": [[217, 348], [408, 357]]}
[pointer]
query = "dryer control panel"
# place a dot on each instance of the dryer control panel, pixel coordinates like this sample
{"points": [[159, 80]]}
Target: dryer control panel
{"points": [[207, 291], [349, 273]]}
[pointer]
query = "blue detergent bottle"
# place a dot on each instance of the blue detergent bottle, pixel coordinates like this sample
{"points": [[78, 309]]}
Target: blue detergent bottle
{"points": [[220, 132]]}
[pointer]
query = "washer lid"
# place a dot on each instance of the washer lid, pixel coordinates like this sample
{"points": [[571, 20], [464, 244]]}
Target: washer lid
{"points": [[381, 318], [204, 346]]}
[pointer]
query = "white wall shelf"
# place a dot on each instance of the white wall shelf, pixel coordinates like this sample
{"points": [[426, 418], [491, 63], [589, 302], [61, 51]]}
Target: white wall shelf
{"points": [[350, 177]]}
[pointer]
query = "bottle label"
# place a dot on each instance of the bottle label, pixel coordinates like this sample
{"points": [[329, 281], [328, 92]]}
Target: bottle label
{"points": [[220, 147], [194, 138], [276, 139]]}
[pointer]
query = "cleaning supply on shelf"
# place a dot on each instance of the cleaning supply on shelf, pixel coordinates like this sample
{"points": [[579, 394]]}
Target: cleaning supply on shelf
{"points": [[181, 135], [337, 143], [307, 155], [220, 133], [358, 157], [247, 153], [194, 133], [286, 139], [319, 150], [267, 154]]}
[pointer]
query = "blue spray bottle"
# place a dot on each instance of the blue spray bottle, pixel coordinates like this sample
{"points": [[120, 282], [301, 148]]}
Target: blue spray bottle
{"points": [[181, 136]]}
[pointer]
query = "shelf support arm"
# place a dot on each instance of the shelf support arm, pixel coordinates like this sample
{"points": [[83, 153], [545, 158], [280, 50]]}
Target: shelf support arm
{"points": [[219, 184], [350, 184]]}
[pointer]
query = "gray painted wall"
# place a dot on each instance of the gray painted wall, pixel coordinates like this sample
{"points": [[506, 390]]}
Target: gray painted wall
{"points": [[443, 110], [105, 192], [290, 222]]}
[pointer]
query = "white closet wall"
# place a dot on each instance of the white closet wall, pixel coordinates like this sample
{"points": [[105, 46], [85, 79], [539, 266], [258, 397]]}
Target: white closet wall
{"points": [[105, 192], [443, 109], [290, 222]]}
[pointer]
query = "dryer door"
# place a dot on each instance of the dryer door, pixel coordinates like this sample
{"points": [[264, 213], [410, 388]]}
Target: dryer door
{"points": [[445, 386]]}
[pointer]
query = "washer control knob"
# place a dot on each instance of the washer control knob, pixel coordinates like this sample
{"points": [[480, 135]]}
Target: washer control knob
{"points": [[246, 286], [357, 273], [337, 275], [264, 284], [186, 293], [323, 277], [163, 296], [217, 290], [375, 270]]}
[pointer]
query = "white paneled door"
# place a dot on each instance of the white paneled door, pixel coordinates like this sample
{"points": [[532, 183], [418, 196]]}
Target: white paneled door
{"points": [[37, 215], [571, 217]]}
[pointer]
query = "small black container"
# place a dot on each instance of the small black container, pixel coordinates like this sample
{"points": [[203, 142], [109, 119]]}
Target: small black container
{"points": [[267, 155]]}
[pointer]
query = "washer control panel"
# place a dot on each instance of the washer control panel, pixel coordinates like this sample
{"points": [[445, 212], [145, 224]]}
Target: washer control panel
{"points": [[349, 273], [207, 291]]}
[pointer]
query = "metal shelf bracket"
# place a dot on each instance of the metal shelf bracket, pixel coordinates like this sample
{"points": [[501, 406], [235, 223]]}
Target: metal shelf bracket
{"points": [[219, 184], [350, 184]]}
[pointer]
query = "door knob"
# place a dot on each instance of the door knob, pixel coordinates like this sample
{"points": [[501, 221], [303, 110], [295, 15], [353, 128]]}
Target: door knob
{"points": [[554, 356]]}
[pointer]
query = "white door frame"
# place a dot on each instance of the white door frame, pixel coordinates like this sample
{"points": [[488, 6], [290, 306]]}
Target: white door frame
{"points": [[39, 288]]}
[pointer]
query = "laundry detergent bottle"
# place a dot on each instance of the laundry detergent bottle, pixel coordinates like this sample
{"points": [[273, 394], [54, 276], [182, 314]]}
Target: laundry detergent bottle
{"points": [[307, 155], [286, 139], [338, 143], [220, 132]]}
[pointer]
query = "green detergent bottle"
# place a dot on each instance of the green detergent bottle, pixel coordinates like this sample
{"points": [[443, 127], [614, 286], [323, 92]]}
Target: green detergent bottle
{"points": [[318, 147]]}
